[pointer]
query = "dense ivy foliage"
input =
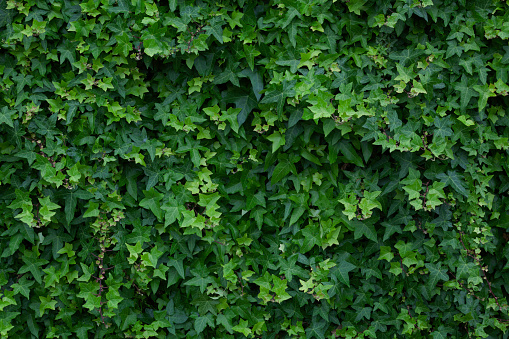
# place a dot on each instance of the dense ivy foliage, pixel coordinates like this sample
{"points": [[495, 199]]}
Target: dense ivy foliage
{"points": [[272, 169]]}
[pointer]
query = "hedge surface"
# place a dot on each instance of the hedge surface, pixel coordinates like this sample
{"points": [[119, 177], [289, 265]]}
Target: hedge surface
{"points": [[272, 169]]}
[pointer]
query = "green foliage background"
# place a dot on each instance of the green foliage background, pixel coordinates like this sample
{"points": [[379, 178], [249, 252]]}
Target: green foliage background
{"points": [[283, 169]]}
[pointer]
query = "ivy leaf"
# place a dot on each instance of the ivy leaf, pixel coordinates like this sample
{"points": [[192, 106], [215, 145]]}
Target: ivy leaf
{"points": [[242, 327], [289, 268], [251, 53], [312, 237], [32, 265], [278, 94], [22, 81], [405, 74], [364, 312], [453, 179], [172, 211], [124, 46], [442, 332], [317, 328], [466, 91], [23, 286], [114, 298], [6, 15], [122, 7], [442, 127], [386, 253], [209, 201], [436, 273], [215, 27], [485, 92], [231, 115], [71, 200], [151, 202], [364, 228], [56, 237], [229, 74], [134, 251], [46, 303], [150, 258], [280, 286], [199, 281], [139, 234], [321, 105], [281, 170], [405, 55], [349, 153], [201, 323], [341, 270], [67, 51], [246, 101], [6, 116], [47, 207]]}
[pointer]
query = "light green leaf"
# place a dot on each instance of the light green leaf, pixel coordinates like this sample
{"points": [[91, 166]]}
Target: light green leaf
{"points": [[242, 327], [46, 303]]}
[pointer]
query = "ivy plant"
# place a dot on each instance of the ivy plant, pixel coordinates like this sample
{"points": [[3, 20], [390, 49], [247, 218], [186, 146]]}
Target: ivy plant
{"points": [[254, 169]]}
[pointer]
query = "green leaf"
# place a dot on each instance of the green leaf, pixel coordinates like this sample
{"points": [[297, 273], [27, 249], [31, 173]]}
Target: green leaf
{"points": [[405, 55], [23, 286], [201, 282], [364, 228], [466, 91], [46, 303], [22, 81], [289, 268], [172, 211], [278, 95], [215, 27], [312, 237], [485, 92], [251, 53], [317, 328], [114, 298], [134, 251], [386, 253], [321, 105], [201, 323], [436, 273], [246, 101], [405, 74], [151, 258], [71, 197], [152, 46], [67, 51], [231, 115], [122, 7], [6, 116], [453, 179], [356, 6], [280, 286], [47, 207], [32, 265], [242, 327], [341, 270], [349, 153], [151, 202], [281, 170]]}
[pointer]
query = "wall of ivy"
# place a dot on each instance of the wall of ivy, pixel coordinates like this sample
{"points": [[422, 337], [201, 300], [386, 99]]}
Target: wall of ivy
{"points": [[260, 169]]}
